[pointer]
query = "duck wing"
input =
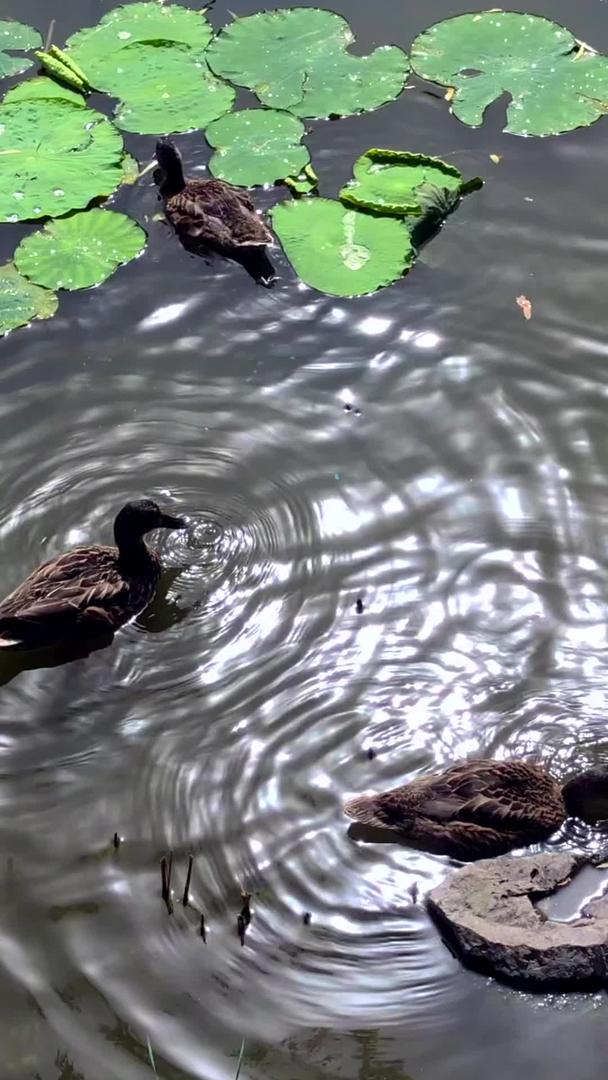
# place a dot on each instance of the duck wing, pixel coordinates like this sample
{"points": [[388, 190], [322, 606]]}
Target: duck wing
{"points": [[83, 589], [217, 214], [497, 794]]}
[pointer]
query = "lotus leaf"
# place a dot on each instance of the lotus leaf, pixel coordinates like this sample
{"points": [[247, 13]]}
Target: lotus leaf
{"points": [[15, 35], [554, 84], [42, 87], [21, 301], [80, 250], [256, 146], [164, 89], [78, 158], [386, 181], [95, 48], [296, 59], [339, 250]]}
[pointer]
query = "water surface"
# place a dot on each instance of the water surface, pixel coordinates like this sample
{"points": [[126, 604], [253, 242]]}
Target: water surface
{"points": [[462, 497]]}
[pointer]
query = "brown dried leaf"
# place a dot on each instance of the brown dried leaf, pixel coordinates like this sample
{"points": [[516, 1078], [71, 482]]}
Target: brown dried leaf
{"points": [[525, 305]]}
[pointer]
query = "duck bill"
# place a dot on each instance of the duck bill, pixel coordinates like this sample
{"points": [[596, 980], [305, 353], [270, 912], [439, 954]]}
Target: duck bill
{"points": [[169, 522]]}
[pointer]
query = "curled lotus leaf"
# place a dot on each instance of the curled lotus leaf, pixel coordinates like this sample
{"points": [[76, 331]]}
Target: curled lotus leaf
{"points": [[554, 83], [388, 181], [297, 59]]}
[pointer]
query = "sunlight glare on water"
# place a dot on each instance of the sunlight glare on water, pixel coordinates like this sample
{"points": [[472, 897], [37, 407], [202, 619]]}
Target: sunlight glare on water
{"points": [[396, 557]]}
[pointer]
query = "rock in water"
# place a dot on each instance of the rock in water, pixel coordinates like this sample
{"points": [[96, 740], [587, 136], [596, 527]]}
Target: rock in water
{"points": [[488, 911]]}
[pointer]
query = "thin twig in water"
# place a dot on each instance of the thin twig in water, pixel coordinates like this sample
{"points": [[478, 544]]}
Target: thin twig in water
{"points": [[203, 929], [147, 168], [166, 867], [188, 876], [151, 1055], [240, 925], [246, 909], [240, 1061], [49, 35]]}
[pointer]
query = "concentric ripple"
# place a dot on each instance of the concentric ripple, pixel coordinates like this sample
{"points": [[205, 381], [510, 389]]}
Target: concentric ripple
{"points": [[395, 558]]}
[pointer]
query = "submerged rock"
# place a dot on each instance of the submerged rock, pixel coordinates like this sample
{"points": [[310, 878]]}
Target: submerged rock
{"points": [[489, 912]]}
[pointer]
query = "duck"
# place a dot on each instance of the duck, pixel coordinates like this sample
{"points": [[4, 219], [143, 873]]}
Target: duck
{"points": [[209, 211], [483, 808], [88, 590]]}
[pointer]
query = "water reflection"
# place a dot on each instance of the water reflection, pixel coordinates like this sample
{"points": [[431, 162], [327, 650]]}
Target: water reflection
{"points": [[462, 497]]}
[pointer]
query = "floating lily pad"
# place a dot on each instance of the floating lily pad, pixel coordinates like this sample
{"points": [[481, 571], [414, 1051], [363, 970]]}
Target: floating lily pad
{"points": [[339, 250], [15, 35], [42, 87], [554, 84], [21, 300], [95, 49], [81, 250], [256, 146], [164, 89], [297, 59], [55, 157]]}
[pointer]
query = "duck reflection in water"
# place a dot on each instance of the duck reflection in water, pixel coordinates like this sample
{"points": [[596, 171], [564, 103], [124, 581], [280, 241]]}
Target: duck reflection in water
{"points": [[212, 216], [72, 605]]}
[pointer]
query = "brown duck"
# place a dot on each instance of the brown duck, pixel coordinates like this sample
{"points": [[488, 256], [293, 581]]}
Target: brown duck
{"points": [[90, 590], [210, 211], [482, 808]]}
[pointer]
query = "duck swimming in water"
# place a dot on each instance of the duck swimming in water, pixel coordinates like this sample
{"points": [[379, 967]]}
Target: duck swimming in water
{"points": [[210, 212], [90, 590], [482, 808]]}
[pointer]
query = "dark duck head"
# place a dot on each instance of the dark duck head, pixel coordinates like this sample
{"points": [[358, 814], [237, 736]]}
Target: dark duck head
{"points": [[138, 518], [169, 159], [586, 795]]}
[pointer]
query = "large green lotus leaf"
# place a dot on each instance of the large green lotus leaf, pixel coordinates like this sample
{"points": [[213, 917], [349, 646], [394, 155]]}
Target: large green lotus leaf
{"points": [[387, 181], [339, 250], [133, 24], [42, 87], [15, 35], [81, 250], [55, 157], [256, 146], [555, 86], [164, 89], [296, 59], [21, 300]]}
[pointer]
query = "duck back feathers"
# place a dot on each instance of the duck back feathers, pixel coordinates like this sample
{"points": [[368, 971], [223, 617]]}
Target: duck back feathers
{"points": [[472, 810]]}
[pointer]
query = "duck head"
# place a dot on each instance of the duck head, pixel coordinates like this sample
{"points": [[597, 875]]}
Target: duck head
{"points": [[586, 795], [170, 163], [140, 517]]}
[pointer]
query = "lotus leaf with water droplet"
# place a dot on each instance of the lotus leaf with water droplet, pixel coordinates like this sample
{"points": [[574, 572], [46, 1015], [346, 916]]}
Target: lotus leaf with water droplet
{"points": [[555, 84], [55, 157], [339, 250], [256, 146], [297, 59], [21, 300], [81, 250], [18, 36]]}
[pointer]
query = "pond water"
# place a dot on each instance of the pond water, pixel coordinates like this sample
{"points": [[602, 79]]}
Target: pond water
{"points": [[463, 497]]}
